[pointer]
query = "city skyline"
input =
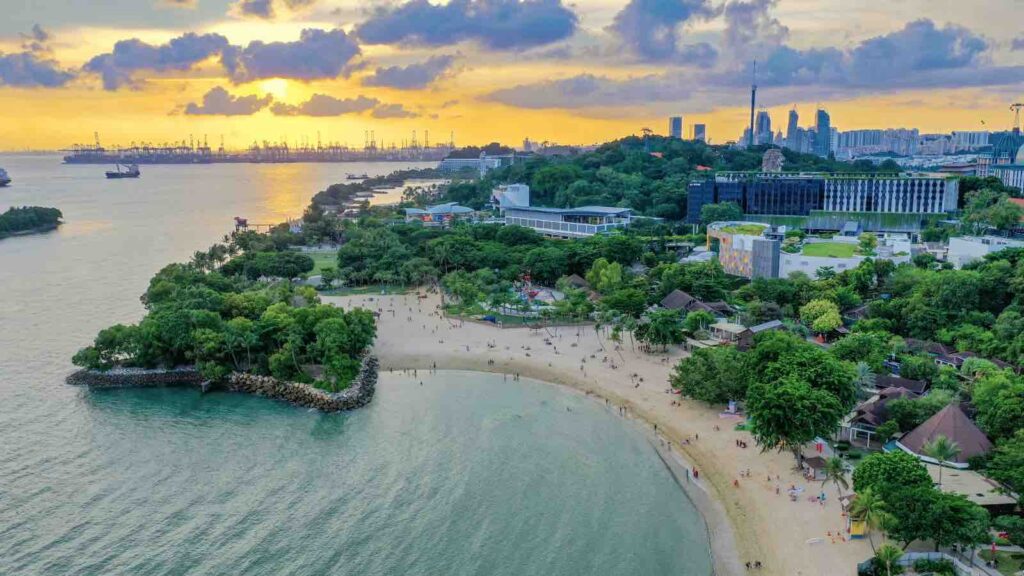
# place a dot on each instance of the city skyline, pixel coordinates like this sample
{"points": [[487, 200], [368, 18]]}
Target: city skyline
{"points": [[493, 70]]}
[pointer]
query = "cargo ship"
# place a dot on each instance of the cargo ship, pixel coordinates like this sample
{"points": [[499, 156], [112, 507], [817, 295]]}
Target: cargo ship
{"points": [[130, 171]]}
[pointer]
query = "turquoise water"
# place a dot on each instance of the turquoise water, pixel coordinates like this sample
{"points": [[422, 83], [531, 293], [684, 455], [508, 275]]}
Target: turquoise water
{"points": [[464, 475]]}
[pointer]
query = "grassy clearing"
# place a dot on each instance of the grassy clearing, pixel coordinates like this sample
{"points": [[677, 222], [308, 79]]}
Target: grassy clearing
{"points": [[322, 260], [1009, 562], [830, 249]]}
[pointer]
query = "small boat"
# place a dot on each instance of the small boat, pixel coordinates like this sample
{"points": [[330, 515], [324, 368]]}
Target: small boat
{"points": [[354, 177], [4, 178], [130, 171]]}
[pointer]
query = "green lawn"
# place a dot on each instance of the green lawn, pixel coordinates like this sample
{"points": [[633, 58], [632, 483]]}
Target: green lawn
{"points": [[748, 229], [1009, 562], [322, 260], [830, 249]]}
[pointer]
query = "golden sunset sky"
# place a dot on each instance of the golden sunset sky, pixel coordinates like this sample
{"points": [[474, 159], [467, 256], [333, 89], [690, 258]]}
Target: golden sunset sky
{"points": [[586, 72]]}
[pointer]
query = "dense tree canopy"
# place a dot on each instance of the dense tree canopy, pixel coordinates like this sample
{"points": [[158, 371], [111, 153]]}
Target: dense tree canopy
{"points": [[28, 218], [222, 321]]}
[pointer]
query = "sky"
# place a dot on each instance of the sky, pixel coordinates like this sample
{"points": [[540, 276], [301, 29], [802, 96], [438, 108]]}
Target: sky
{"points": [[478, 71]]}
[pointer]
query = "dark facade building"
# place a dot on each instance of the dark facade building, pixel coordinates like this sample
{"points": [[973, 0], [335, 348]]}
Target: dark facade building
{"points": [[782, 194]]}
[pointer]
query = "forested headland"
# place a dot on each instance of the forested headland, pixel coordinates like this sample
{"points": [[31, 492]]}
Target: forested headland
{"points": [[28, 220]]}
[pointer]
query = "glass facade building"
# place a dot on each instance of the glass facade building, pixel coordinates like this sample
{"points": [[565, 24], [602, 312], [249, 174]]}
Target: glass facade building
{"points": [[774, 194]]}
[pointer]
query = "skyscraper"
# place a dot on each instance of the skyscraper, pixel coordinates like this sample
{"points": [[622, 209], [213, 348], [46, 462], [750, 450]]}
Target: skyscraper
{"points": [[792, 138], [700, 132], [763, 128], [823, 131], [675, 127]]}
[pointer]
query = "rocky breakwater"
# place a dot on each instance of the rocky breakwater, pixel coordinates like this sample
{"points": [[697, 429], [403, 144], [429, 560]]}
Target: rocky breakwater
{"points": [[136, 377], [358, 394]]}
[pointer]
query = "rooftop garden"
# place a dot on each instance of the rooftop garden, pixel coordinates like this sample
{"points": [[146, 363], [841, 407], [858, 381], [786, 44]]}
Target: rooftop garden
{"points": [[830, 249], [747, 229]]}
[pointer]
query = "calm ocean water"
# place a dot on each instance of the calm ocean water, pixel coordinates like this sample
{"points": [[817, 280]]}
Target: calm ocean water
{"points": [[465, 475]]}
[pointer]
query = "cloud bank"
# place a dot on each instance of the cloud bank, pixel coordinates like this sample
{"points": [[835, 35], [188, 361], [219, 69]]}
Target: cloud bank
{"points": [[219, 102], [322, 105], [495, 24], [412, 76], [33, 68], [316, 55]]}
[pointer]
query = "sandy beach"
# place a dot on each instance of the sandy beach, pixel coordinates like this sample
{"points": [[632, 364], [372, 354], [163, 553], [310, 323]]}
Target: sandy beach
{"points": [[750, 515]]}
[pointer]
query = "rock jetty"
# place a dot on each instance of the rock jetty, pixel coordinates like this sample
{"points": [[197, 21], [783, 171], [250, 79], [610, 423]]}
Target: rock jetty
{"points": [[359, 393]]}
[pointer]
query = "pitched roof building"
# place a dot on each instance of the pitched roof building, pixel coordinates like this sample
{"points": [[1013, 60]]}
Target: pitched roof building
{"points": [[952, 423], [679, 300]]}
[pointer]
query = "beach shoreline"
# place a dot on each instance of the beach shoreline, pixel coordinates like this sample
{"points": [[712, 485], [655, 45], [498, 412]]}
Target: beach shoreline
{"points": [[742, 513]]}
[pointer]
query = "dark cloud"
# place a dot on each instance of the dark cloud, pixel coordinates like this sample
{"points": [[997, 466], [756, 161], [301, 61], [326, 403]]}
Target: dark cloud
{"points": [[31, 70], [412, 76], [749, 25], [265, 9], [919, 47], [256, 8], [588, 90], [318, 54], [1017, 43], [917, 55], [36, 41], [701, 54], [392, 111], [496, 24], [324, 105], [785, 66], [219, 102], [650, 27], [129, 56]]}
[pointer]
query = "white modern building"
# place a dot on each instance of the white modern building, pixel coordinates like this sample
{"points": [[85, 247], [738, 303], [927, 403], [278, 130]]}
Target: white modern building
{"points": [[916, 193], [481, 164], [1009, 174], [508, 195], [965, 249], [569, 222], [513, 203]]}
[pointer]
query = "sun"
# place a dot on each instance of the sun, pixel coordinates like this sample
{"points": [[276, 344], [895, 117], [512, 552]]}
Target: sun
{"points": [[276, 87]]}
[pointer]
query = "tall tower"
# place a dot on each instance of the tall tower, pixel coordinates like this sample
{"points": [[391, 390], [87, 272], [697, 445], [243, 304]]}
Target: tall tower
{"points": [[753, 102], [791, 130], [823, 133], [675, 127], [763, 128]]}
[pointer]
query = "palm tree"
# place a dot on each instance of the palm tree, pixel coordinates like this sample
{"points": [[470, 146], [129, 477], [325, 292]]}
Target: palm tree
{"points": [[870, 509], [942, 449], [835, 470], [865, 379], [887, 556]]}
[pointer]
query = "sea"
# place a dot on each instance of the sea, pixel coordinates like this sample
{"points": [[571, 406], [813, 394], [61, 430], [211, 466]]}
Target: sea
{"points": [[464, 474]]}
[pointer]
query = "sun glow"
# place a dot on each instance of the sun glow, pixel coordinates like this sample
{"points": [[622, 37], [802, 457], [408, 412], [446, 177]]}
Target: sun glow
{"points": [[276, 87]]}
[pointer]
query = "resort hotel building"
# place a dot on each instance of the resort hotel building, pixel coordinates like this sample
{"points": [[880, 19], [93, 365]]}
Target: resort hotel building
{"points": [[801, 194]]}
